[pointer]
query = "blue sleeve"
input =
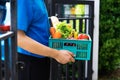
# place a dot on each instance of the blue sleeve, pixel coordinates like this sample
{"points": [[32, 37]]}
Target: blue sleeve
{"points": [[23, 13]]}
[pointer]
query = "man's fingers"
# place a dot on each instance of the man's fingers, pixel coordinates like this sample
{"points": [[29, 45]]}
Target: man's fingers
{"points": [[71, 54], [72, 60]]}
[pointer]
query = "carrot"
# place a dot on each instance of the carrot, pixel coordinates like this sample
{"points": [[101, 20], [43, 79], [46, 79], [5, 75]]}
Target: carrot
{"points": [[57, 35], [52, 30]]}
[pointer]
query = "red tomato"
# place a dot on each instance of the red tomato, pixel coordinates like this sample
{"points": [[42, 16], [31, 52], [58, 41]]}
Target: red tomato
{"points": [[83, 36]]}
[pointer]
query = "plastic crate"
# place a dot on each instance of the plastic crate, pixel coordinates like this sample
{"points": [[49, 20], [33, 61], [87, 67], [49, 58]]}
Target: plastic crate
{"points": [[81, 48]]}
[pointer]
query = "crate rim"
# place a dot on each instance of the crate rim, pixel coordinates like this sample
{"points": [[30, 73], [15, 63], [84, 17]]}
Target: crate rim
{"points": [[71, 39]]}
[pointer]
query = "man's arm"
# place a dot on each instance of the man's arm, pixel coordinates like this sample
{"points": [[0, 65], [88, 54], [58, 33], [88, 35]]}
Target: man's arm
{"points": [[62, 56]]}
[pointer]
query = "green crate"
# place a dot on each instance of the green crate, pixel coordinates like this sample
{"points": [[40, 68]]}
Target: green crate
{"points": [[81, 48]]}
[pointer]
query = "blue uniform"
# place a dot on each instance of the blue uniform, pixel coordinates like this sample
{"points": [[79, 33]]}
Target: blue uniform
{"points": [[33, 20]]}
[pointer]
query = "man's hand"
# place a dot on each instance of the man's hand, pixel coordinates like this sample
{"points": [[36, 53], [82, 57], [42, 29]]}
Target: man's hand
{"points": [[64, 57]]}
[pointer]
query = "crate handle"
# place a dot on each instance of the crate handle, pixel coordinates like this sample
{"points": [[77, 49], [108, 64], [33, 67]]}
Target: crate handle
{"points": [[69, 44]]}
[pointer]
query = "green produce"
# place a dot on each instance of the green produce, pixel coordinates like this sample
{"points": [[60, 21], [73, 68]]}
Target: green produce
{"points": [[65, 29]]}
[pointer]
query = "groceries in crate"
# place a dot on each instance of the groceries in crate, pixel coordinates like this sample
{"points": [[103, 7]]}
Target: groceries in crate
{"points": [[65, 31]]}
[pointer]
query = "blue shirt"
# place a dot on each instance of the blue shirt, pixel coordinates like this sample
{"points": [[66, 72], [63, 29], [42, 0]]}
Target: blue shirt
{"points": [[33, 20]]}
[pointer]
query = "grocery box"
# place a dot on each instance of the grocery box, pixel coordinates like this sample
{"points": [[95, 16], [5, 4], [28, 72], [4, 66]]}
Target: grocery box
{"points": [[80, 48]]}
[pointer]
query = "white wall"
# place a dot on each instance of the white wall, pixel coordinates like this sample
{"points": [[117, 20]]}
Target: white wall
{"points": [[96, 39]]}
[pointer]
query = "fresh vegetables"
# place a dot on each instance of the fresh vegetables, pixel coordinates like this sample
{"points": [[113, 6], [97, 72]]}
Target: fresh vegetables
{"points": [[65, 30]]}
